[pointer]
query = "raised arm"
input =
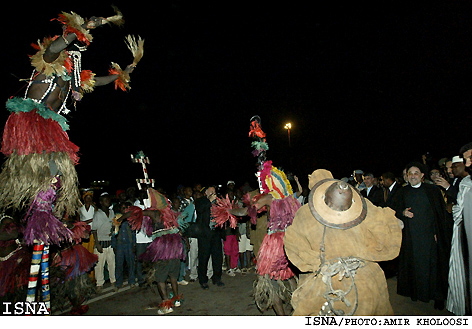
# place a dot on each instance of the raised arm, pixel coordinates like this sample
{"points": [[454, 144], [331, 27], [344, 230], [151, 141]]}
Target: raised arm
{"points": [[105, 80], [70, 35]]}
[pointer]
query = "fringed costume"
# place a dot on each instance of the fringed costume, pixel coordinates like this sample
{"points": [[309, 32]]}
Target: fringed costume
{"points": [[166, 250], [38, 175], [14, 262], [272, 264], [272, 285], [69, 277]]}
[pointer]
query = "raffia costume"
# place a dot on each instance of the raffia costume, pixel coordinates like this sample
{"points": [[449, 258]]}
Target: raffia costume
{"points": [[39, 175], [341, 275]]}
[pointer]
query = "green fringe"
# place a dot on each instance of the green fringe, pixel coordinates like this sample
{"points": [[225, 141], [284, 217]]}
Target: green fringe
{"points": [[260, 145], [17, 104]]}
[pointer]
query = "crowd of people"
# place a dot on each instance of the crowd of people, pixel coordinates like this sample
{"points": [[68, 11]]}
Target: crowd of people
{"points": [[423, 267], [431, 200]]}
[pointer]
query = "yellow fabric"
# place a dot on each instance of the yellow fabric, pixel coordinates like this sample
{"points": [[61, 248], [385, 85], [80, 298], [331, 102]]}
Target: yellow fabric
{"points": [[89, 246], [377, 238]]}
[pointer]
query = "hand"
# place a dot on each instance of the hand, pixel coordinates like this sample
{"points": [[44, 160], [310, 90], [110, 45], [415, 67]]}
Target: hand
{"points": [[408, 213], [99, 249], [295, 178], [442, 182], [130, 68], [94, 22]]}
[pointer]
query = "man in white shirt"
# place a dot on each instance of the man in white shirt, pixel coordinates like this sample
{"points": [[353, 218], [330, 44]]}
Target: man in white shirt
{"points": [[102, 225]]}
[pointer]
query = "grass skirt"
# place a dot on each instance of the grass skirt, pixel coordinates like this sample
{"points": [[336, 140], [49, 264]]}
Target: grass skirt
{"points": [[266, 291], [168, 246], [271, 260], [24, 176]]}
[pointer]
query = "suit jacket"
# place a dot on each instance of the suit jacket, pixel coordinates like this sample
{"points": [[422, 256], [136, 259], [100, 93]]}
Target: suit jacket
{"points": [[391, 194], [203, 208], [453, 190], [376, 196]]}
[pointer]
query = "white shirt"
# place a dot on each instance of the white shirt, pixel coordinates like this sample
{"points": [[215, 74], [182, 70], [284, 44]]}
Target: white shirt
{"points": [[391, 186], [86, 214], [103, 224]]}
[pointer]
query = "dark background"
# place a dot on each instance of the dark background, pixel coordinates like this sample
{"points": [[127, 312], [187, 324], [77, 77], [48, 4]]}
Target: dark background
{"points": [[366, 85]]}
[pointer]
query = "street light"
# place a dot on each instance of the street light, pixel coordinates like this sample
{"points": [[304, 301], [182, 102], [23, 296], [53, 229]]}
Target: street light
{"points": [[288, 126]]}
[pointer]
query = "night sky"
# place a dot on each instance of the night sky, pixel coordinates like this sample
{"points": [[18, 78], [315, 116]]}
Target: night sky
{"points": [[369, 86]]}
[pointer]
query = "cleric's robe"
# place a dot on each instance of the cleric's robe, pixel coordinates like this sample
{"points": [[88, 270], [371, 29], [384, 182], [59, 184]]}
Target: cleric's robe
{"points": [[424, 255]]}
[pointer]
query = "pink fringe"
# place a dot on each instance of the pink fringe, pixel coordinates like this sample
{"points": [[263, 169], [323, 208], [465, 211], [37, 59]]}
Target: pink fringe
{"points": [[136, 218], [264, 173], [169, 217], [271, 259], [220, 212], [80, 231], [168, 246], [282, 213]]}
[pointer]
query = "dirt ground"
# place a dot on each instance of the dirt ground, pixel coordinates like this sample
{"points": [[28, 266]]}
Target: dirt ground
{"points": [[235, 298]]}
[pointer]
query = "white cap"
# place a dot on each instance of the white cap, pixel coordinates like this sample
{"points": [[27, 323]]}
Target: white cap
{"points": [[456, 159], [230, 182], [358, 171]]}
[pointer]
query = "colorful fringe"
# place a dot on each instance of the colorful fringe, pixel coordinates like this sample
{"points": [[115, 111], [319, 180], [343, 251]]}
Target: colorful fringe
{"points": [[41, 224], [169, 217], [252, 211], [81, 230], [282, 213], [168, 246], [36, 130], [137, 221], [220, 212], [74, 261], [271, 259]]}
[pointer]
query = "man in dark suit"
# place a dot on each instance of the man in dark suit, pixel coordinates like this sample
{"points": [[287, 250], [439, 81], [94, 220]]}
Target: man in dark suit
{"points": [[372, 192], [391, 188], [209, 240]]}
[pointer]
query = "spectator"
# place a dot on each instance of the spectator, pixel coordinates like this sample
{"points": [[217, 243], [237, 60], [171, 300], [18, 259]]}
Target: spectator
{"points": [[458, 293], [86, 213], [124, 245], [187, 215], [245, 246], [371, 191], [424, 254], [231, 250], [391, 187], [358, 179], [101, 229], [88, 209], [142, 242], [209, 243], [458, 173]]}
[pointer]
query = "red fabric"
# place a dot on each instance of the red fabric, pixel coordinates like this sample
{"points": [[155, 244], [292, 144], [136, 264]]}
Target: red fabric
{"points": [[231, 249], [14, 272], [28, 132]]}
